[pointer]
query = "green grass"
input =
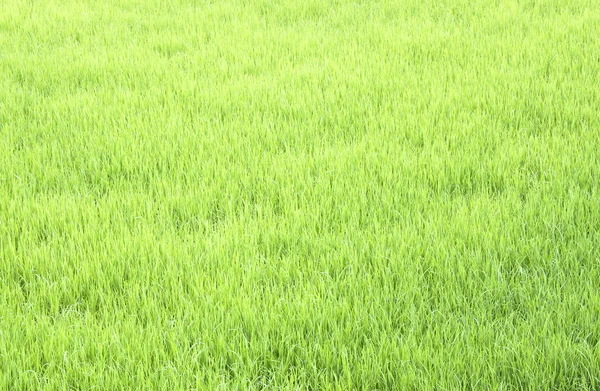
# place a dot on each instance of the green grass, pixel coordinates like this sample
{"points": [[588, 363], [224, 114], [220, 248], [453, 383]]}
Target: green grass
{"points": [[298, 194]]}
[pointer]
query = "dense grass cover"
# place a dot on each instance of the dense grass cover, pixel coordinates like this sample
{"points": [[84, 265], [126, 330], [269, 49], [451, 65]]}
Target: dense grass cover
{"points": [[299, 194]]}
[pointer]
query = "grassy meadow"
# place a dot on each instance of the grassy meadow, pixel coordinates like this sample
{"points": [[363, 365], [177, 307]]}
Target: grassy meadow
{"points": [[300, 195]]}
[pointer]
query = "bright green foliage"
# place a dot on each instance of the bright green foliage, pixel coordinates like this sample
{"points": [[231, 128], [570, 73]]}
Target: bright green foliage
{"points": [[299, 194]]}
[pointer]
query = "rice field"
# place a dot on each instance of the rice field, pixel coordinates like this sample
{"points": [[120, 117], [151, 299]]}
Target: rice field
{"points": [[300, 195]]}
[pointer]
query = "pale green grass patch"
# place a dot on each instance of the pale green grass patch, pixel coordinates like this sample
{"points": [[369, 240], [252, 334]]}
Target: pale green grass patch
{"points": [[299, 195]]}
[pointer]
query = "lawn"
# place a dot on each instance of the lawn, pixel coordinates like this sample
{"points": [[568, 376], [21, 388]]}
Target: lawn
{"points": [[299, 194]]}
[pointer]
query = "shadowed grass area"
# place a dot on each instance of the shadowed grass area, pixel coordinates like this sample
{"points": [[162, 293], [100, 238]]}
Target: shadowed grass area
{"points": [[299, 195]]}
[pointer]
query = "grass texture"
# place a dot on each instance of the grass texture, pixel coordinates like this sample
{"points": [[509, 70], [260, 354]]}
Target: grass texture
{"points": [[300, 194]]}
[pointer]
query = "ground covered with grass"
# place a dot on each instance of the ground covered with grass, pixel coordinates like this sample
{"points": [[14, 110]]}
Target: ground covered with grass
{"points": [[299, 195]]}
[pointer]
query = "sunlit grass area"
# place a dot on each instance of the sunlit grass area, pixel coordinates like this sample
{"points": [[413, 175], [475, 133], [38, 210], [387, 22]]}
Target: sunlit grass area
{"points": [[342, 195]]}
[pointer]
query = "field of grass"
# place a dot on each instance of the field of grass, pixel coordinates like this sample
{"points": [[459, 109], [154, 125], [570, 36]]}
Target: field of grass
{"points": [[298, 194]]}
